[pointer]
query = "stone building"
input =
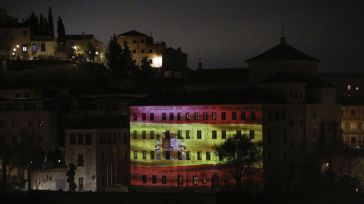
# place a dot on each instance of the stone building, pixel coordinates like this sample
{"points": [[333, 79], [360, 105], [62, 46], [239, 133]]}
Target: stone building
{"points": [[99, 147]]}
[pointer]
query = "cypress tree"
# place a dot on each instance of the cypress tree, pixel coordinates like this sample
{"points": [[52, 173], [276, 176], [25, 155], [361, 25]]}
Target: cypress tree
{"points": [[50, 22]]}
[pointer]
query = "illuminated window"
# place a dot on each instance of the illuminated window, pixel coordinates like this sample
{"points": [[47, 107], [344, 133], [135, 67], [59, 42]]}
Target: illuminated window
{"points": [[151, 134], [214, 134], [204, 181], [234, 116], [195, 180], [179, 116], [25, 48], [199, 134], [205, 116], [243, 116], [188, 134], [154, 179], [168, 155], [223, 116], [144, 178], [135, 155], [164, 116], [223, 134], [151, 155], [164, 179], [135, 134], [208, 156], [252, 116], [188, 116], [144, 134], [252, 134], [198, 155], [144, 155], [72, 139], [171, 116], [197, 116], [135, 116], [188, 155], [144, 116], [213, 116], [349, 87], [180, 180], [179, 134], [151, 116]]}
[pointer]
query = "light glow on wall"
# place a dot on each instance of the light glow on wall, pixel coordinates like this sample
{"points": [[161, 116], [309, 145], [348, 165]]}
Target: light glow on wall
{"points": [[157, 62]]}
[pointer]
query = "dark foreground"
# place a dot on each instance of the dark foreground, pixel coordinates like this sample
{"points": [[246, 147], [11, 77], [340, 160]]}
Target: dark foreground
{"points": [[47, 197]]}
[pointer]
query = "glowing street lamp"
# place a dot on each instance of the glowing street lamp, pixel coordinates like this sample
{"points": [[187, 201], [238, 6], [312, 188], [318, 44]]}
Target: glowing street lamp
{"points": [[17, 46]]}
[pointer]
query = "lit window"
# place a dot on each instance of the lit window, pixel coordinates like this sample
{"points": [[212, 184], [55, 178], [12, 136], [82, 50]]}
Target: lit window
{"points": [[213, 115], [188, 116], [349, 87], [25, 48], [197, 116]]}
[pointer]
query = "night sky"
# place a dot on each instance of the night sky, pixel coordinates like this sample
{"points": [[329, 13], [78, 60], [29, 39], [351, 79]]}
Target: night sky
{"points": [[223, 33]]}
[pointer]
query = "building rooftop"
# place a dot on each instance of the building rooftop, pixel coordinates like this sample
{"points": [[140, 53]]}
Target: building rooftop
{"points": [[101, 122], [79, 37], [134, 33], [282, 51], [248, 96]]}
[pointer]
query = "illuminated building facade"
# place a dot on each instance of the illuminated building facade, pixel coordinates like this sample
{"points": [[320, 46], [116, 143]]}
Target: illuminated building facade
{"points": [[352, 122], [143, 46], [171, 62], [173, 146], [83, 45]]}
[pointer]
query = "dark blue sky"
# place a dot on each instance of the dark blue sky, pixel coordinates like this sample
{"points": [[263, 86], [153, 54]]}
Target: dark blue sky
{"points": [[221, 33]]}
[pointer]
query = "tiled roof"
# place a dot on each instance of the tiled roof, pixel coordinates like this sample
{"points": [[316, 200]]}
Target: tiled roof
{"points": [[282, 51]]}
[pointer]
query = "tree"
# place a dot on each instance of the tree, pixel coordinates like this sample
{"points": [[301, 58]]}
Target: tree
{"points": [[71, 177], [241, 155], [61, 31], [113, 55], [50, 22], [91, 52]]}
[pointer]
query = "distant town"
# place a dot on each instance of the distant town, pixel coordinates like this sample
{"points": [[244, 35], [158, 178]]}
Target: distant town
{"points": [[131, 117]]}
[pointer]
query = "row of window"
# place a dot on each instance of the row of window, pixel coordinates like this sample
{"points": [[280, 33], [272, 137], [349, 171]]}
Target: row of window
{"points": [[32, 123], [198, 116], [154, 179], [181, 155], [187, 134], [104, 139], [143, 51]]}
